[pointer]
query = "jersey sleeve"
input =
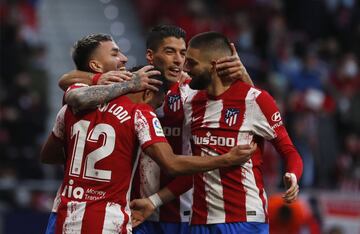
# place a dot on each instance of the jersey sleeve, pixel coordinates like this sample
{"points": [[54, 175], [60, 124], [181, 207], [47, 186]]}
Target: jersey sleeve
{"points": [[278, 135], [59, 127], [148, 128], [71, 87]]}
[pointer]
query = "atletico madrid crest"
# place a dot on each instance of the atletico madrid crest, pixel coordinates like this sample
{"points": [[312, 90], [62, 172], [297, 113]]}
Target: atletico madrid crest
{"points": [[174, 102], [231, 116]]}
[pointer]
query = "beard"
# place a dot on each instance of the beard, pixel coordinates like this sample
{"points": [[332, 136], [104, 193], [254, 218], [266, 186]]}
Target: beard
{"points": [[200, 81]]}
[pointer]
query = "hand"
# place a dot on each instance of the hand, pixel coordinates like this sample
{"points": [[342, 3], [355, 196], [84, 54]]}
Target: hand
{"points": [[114, 77], [183, 77], [292, 187], [241, 153], [142, 80], [231, 66], [141, 209]]}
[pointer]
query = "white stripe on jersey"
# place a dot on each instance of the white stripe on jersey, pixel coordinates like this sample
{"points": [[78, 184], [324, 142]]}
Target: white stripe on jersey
{"points": [[113, 220], [254, 212], [255, 119], [142, 127], [74, 216], [128, 194], [213, 113], [214, 194]]}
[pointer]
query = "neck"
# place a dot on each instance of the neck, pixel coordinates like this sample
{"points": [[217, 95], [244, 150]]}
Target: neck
{"points": [[218, 86], [135, 97]]}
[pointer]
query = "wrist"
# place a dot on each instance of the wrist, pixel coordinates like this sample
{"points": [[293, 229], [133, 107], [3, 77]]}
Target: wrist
{"points": [[95, 78], [155, 200]]}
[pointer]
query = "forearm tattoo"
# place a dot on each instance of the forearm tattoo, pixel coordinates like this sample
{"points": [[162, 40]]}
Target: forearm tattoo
{"points": [[91, 97]]}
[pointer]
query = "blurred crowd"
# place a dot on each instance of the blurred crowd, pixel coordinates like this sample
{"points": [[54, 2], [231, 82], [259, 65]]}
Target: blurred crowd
{"points": [[23, 95], [305, 53]]}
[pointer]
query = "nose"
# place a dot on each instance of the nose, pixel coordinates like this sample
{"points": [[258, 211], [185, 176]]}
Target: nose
{"points": [[178, 59], [123, 58]]}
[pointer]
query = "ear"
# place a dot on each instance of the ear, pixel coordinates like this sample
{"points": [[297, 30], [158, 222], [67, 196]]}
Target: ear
{"points": [[150, 56], [95, 66], [148, 96], [213, 65]]}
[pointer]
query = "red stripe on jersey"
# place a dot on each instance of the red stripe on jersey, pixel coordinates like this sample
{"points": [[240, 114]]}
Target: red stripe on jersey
{"points": [[199, 207], [93, 213], [126, 221]]}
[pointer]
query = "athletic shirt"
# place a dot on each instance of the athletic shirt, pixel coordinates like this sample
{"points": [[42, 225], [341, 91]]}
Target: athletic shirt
{"points": [[236, 117], [150, 178], [101, 148]]}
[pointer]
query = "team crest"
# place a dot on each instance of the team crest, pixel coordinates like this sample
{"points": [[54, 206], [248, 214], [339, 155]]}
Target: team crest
{"points": [[231, 116], [174, 102]]}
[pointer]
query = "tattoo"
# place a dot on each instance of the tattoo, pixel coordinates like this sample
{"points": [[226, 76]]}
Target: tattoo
{"points": [[90, 97]]}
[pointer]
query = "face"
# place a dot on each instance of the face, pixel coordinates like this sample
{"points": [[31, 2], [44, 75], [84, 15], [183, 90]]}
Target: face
{"points": [[169, 57], [109, 57], [198, 68]]}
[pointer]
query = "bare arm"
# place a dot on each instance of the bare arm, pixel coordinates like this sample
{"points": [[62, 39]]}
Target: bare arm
{"points": [[232, 67], [90, 97], [141, 209], [73, 77], [52, 151], [163, 155], [76, 76]]}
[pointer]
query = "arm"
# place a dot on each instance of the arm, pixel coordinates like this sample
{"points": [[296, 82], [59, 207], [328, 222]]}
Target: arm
{"points": [[293, 165], [52, 151], [90, 97], [276, 131], [77, 76], [142, 208], [232, 67], [163, 155]]}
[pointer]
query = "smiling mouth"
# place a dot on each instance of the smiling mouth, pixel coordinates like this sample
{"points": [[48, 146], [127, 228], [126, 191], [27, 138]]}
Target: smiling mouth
{"points": [[174, 71]]}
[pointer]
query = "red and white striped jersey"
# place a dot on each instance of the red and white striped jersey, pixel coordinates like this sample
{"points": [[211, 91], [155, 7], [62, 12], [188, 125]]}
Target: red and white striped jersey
{"points": [[150, 178], [238, 116], [101, 148]]}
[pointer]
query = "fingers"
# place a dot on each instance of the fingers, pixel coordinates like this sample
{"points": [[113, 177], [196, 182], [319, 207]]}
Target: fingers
{"points": [[291, 194], [153, 73], [234, 55], [292, 187], [230, 70], [146, 68]]}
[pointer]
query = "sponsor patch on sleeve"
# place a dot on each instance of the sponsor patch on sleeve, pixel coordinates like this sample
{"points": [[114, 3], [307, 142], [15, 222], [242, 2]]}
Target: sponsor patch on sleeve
{"points": [[157, 127]]}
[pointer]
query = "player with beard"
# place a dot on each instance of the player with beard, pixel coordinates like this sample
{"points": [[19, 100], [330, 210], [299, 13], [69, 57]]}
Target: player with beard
{"points": [[99, 164], [166, 50], [224, 113]]}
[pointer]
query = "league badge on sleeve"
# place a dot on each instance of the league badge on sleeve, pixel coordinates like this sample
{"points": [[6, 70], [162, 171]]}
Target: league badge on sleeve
{"points": [[174, 102], [231, 116], [157, 127]]}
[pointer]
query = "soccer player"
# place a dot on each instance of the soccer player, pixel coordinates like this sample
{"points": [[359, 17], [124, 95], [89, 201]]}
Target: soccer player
{"points": [[166, 49], [98, 53], [67, 189], [224, 113]]}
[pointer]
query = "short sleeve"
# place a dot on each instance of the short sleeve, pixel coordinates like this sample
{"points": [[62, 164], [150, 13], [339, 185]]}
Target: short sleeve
{"points": [[148, 128], [59, 126], [72, 87]]}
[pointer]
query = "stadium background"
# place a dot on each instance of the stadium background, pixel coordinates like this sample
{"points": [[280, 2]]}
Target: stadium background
{"points": [[305, 53]]}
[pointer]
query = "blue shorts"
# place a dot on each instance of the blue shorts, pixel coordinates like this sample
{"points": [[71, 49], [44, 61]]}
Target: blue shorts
{"points": [[231, 228], [150, 227], [50, 229]]}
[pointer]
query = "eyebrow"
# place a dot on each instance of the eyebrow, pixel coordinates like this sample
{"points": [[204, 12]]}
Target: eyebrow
{"points": [[114, 49]]}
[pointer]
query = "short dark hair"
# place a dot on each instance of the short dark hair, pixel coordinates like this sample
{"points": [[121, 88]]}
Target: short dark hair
{"points": [[83, 49], [210, 41], [159, 33], [165, 84]]}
